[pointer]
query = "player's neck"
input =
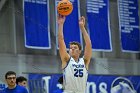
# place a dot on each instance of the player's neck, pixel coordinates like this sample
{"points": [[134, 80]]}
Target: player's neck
{"points": [[12, 87], [76, 59]]}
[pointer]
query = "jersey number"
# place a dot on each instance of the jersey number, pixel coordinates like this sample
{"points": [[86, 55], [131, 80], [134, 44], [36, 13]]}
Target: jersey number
{"points": [[78, 72]]}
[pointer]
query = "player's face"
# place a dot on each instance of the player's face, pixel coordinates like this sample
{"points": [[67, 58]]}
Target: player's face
{"points": [[11, 80], [74, 50], [23, 83]]}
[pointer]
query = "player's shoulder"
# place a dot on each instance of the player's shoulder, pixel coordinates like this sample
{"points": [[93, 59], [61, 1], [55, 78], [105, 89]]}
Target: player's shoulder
{"points": [[18, 86], [4, 90], [81, 59], [22, 88]]}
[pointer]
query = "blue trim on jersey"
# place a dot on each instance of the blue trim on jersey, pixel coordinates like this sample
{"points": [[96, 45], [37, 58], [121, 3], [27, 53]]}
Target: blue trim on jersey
{"points": [[64, 79], [84, 63], [75, 61], [67, 64], [86, 68]]}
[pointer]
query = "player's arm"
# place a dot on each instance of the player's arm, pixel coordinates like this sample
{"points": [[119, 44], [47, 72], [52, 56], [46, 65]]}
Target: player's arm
{"points": [[88, 46], [62, 47]]}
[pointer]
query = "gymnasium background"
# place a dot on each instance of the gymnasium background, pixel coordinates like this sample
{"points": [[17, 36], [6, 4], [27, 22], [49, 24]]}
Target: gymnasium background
{"points": [[108, 63]]}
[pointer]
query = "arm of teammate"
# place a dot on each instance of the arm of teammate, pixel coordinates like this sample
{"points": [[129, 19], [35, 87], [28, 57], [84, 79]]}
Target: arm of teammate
{"points": [[88, 46], [62, 47]]}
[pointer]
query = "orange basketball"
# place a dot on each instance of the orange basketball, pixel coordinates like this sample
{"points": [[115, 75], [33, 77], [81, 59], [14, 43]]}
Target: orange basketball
{"points": [[64, 7]]}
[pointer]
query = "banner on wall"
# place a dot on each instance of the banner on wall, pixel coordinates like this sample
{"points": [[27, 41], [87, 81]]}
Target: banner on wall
{"points": [[71, 27], [129, 25], [36, 24], [43, 83], [99, 24]]}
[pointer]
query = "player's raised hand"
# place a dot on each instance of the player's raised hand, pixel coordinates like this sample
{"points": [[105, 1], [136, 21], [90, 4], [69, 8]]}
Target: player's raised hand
{"points": [[61, 19], [82, 21]]}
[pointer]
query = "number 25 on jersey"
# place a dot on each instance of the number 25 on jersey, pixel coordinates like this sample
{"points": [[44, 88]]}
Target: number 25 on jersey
{"points": [[78, 72]]}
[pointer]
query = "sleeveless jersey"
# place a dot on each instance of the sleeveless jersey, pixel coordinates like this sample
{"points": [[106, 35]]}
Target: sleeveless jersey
{"points": [[75, 76]]}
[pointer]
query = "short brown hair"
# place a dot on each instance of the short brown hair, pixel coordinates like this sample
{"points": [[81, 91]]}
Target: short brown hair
{"points": [[9, 73], [76, 43]]}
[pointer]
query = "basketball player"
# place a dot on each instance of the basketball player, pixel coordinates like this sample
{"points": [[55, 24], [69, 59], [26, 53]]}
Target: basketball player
{"points": [[74, 68]]}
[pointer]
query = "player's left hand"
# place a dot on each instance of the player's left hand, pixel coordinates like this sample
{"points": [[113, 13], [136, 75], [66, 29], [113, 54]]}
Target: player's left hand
{"points": [[82, 21]]}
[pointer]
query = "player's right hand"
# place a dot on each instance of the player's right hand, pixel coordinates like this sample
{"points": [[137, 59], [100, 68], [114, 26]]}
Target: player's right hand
{"points": [[61, 19]]}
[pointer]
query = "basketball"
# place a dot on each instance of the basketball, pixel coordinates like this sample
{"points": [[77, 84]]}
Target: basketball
{"points": [[64, 7]]}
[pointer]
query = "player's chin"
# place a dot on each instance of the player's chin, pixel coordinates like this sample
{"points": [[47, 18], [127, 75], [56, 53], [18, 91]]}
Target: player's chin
{"points": [[12, 84], [74, 55]]}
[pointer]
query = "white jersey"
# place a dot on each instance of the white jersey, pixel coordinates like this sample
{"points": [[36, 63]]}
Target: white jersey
{"points": [[75, 76]]}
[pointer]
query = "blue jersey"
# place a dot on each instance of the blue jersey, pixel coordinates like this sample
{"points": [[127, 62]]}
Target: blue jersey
{"points": [[75, 76], [17, 89]]}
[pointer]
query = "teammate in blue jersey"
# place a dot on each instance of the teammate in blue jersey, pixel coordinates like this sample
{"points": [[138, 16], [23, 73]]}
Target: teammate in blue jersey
{"points": [[10, 78], [74, 68]]}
